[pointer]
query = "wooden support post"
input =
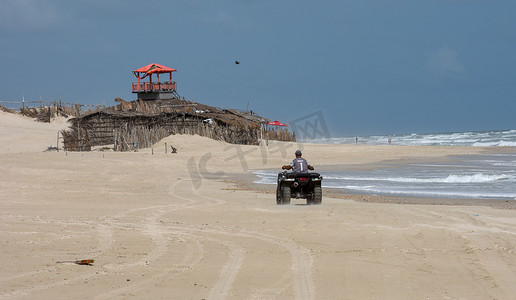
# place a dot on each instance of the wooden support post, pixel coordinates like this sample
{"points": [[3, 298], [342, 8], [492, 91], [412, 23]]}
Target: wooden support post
{"points": [[165, 147], [57, 143], [184, 126], [267, 129]]}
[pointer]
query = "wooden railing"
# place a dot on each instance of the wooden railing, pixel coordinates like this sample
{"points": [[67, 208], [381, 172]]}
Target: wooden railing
{"points": [[153, 86]]}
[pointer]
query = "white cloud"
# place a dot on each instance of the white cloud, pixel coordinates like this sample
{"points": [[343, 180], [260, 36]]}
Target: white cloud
{"points": [[444, 61]]}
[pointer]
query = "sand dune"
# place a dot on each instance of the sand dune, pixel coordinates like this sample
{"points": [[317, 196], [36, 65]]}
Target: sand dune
{"points": [[180, 226]]}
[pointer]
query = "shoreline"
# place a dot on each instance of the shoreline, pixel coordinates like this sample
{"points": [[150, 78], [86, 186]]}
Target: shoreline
{"points": [[250, 185]]}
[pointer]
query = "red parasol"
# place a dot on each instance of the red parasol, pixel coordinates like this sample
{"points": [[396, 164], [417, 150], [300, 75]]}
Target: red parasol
{"points": [[274, 123], [277, 123]]}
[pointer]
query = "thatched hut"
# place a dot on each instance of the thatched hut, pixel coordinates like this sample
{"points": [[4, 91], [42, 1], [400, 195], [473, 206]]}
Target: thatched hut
{"points": [[140, 124]]}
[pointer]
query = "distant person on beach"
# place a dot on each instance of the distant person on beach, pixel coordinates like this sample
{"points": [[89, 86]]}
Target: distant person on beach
{"points": [[356, 140], [390, 140], [299, 164]]}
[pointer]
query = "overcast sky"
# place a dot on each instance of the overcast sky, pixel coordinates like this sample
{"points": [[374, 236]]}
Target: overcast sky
{"points": [[371, 67]]}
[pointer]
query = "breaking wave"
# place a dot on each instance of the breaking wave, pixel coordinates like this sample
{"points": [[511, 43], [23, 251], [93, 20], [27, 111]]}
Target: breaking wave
{"points": [[463, 178], [496, 138]]}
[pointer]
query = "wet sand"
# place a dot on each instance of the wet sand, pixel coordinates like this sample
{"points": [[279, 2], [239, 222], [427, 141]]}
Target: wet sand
{"points": [[249, 183]]}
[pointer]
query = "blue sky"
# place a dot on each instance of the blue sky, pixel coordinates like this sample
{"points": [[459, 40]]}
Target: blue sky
{"points": [[371, 67]]}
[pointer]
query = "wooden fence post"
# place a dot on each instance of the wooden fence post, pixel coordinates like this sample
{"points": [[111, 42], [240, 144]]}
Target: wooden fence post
{"points": [[79, 133]]}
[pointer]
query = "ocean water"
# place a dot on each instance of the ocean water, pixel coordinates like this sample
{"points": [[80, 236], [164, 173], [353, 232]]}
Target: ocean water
{"points": [[485, 176], [473, 138]]}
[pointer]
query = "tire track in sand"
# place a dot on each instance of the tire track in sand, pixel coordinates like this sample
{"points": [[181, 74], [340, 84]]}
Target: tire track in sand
{"points": [[105, 237], [302, 262], [157, 232]]}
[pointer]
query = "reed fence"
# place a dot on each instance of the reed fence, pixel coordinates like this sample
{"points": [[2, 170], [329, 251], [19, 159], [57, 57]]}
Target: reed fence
{"points": [[44, 111]]}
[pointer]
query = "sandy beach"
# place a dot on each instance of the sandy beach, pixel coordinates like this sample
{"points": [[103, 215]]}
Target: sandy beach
{"points": [[190, 225]]}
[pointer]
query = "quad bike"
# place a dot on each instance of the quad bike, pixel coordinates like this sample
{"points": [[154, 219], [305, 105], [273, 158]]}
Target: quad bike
{"points": [[299, 185]]}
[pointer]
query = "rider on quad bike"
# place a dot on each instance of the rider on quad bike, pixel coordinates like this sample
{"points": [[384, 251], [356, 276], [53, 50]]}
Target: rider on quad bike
{"points": [[300, 183], [299, 164]]}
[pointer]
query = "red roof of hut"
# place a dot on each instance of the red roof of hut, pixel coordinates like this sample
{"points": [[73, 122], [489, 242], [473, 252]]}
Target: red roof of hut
{"points": [[153, 68]]}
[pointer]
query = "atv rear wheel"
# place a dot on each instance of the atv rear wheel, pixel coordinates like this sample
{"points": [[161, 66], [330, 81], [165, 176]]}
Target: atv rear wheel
{"points": [[317, 195], [285, 194]]}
